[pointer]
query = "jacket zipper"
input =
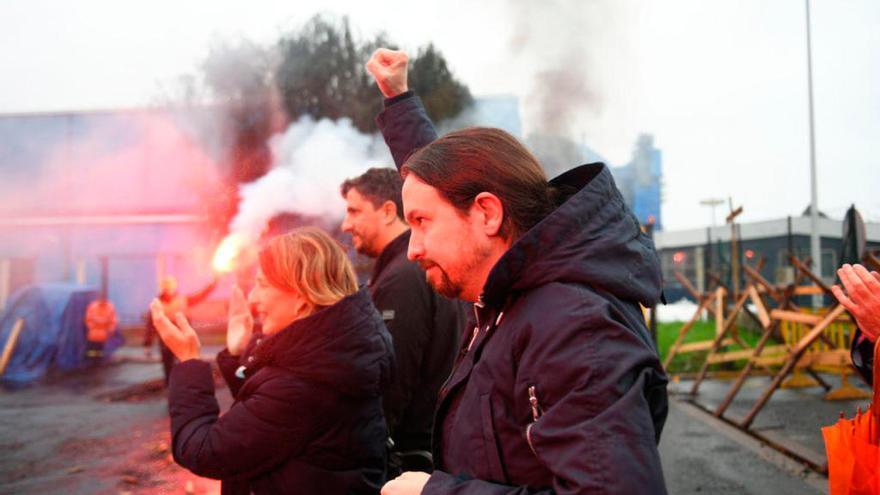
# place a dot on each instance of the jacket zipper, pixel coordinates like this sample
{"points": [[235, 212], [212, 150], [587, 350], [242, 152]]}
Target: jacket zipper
{"points": [[477, 307], [537, 411], [473, 337], [535, 405]]}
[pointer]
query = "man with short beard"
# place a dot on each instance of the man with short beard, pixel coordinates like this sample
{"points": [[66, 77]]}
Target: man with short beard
{"points": [[425, 327], [558, 389]]}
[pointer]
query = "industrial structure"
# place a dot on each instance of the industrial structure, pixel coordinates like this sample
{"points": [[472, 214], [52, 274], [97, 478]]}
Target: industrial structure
{"points": [[698, 253]]}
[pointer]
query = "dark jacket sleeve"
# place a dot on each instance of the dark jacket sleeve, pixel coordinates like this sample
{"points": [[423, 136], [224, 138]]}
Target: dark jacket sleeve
{"points": [[862, 352], [405, 125], [410, 329], [254, 436], [228, 365], [592, 377]]}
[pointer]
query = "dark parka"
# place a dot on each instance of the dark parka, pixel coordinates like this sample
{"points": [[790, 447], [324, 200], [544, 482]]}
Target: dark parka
{"points": [[307, 416], [425, 328], [559, 388]]}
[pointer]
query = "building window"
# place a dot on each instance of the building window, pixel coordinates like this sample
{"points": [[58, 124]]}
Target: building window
{"points": [[829, 264]]}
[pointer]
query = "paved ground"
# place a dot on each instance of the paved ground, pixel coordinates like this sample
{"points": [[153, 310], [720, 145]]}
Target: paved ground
{"points": [[793, 417], [702, 455], [105, 430], [102, 430]]}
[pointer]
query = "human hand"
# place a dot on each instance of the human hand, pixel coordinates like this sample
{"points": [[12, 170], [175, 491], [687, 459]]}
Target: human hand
{"points": [[388, 68], [862, 297], [408, 483], [241, 323], [181, 339]]}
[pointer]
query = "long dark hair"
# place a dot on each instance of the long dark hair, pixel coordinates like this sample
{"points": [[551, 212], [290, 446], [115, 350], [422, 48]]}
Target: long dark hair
{"points": [[469, 161]]}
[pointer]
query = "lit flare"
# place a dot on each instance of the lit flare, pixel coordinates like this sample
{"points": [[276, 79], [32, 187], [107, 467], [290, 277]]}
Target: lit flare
{"points": [[227, 252]]}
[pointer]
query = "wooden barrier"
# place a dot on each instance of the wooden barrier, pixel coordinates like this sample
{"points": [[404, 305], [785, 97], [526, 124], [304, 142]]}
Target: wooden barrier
{"points": [[826, 350], [713, 301], [795, 343], [677, 347], [816, 341], [723, 327], [794, 357]]}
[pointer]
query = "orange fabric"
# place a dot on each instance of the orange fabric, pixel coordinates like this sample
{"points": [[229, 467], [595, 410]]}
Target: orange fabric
{"points": [[853, 461], [100, 320], [853, 448]]}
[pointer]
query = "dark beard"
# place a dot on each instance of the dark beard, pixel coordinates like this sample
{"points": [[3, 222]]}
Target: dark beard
{"points": [[366, 248], [445, 287]]}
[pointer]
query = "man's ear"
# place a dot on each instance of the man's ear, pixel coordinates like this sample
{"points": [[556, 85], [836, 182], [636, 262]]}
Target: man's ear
{"points": [[389, 212], [491, 212]]}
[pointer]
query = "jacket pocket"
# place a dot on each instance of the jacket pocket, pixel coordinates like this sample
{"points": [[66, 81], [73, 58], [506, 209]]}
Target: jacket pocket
{"points": [[537, 412], [490, 441]]}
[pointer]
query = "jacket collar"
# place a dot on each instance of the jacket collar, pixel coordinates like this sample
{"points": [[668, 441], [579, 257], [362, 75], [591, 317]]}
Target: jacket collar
{"points": [[591, 238], [391, 252], [344, 345]]}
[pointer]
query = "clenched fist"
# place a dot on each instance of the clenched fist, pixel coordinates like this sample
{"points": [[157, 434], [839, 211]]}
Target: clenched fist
{"points": [[388, 68]]}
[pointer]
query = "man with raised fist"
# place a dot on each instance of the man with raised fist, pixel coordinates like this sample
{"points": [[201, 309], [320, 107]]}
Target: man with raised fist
{"points": [[558, 388]]}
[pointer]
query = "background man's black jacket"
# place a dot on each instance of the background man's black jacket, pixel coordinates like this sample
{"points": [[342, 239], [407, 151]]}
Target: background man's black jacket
{"points": [[561, 389], [307, 417], [425, 328]]}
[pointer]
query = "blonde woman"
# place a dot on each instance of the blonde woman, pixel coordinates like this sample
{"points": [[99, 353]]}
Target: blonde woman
{"points": [[307, 416]]}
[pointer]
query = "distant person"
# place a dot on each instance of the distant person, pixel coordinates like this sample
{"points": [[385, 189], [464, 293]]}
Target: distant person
{"points": [[307, 416], [173, 303], [100, 322], [425, 326], [860, 295]]}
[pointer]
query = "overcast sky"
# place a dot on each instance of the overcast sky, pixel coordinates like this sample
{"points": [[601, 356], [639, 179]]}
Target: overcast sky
{"points": [[721, 85]]}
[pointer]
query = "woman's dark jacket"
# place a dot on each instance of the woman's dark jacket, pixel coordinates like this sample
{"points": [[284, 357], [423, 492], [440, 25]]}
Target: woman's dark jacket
{"points": [[307, 417], [559, 388]]}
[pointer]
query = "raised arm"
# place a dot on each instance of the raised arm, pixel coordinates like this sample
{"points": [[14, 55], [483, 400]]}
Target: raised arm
{"points": [[202, 294], [245, 441], [404, 123]]}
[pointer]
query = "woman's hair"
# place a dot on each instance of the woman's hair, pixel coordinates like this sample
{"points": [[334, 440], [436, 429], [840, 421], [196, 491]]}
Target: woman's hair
{"points": [[310, 263]]}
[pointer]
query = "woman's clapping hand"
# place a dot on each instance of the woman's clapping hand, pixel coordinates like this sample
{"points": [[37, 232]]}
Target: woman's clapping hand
{"points": [[181, 339]]}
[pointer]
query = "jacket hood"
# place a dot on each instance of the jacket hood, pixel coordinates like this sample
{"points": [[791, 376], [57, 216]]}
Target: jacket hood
{"points": [[591, 238], [345, 346]]}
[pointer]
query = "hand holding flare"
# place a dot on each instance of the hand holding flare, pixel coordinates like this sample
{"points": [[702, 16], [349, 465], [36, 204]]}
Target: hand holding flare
{"points": [[181, 339]]}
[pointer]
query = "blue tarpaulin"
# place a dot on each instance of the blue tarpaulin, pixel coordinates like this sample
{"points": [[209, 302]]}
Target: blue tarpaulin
{"points": [[54, 331]]}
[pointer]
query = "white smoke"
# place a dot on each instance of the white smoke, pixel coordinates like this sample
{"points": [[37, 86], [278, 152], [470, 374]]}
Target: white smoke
{"points": [[311, 159]]}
